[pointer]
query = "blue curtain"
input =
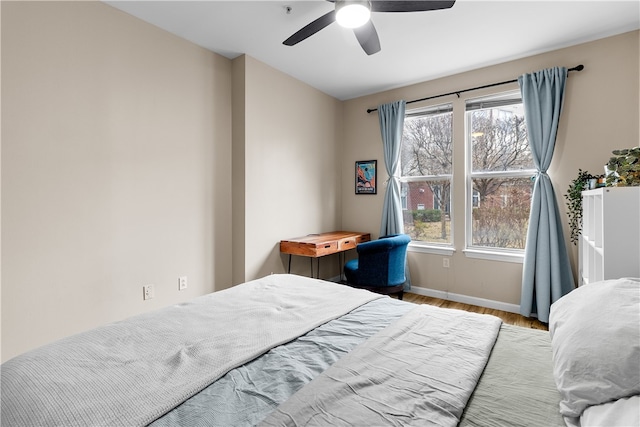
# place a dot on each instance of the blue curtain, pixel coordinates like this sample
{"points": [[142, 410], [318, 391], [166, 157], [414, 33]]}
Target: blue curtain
{"points": [[391, 118], [547, 273]]}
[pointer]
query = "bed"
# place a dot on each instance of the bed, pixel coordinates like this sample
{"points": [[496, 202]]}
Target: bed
{"points": [[289, 350]]}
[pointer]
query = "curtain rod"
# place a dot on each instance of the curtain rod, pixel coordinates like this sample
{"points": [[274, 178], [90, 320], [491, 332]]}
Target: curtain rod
{"points": [[458, 92]]}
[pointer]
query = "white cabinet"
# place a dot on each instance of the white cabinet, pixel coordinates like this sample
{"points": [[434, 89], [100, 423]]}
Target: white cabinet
{"points": [[610, 241]]}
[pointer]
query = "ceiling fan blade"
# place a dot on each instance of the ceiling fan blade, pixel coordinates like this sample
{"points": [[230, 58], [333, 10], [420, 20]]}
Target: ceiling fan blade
{"points": [[368, 38], [409, 6], [311, 28]]}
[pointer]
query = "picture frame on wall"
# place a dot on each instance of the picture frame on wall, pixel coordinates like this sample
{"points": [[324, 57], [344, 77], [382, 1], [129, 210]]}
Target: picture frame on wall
{"points": [[366, 177]]}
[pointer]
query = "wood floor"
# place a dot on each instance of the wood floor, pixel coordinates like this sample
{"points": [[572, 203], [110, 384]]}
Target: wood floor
{"points": [[509, 318]]}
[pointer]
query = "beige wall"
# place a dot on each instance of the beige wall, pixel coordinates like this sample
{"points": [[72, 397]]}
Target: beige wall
{"points": [[122, 166], [116, 165], [600, 114], [291, 145]]}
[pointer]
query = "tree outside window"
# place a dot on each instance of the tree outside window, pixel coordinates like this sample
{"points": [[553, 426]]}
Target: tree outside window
{"points": [[500, 171], [426, 168]]}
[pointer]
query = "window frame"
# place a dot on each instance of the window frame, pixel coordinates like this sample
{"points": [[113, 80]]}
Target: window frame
{"points": [[476, 251], [424, 246]]}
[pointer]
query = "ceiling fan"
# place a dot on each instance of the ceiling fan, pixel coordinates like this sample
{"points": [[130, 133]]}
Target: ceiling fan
{"points": [[362, 26]]}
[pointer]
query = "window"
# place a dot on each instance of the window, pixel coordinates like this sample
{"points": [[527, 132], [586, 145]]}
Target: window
{"points": [[499, 171], [426, 174]]}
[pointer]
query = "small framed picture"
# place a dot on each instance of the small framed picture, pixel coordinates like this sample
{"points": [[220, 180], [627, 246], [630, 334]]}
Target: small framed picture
{"points": [[366, 176]]}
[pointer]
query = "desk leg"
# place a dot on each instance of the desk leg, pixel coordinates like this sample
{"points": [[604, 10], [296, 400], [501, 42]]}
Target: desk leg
{"points": [[311, 266], [318, 268]]}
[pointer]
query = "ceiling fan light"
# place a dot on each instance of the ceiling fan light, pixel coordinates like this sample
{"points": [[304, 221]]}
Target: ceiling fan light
{"points": [[352, 14]]}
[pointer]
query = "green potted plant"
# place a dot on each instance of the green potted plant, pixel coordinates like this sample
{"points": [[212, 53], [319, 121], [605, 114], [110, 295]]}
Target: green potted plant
{"points": [[574, 202], [624, 169]]}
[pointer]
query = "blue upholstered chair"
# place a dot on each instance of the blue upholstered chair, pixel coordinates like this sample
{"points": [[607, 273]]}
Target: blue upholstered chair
{"points": [[380, 265]]}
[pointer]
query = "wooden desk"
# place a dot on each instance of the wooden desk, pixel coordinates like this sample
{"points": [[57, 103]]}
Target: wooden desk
{"points": [[319, 245]]}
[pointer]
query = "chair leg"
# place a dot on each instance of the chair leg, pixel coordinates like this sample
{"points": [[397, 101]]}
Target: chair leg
{"points": [[400, 294]]}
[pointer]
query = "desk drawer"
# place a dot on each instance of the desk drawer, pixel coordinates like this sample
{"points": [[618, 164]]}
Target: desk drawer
{"points": [[363, 238], [326, 248], [346, 244]]}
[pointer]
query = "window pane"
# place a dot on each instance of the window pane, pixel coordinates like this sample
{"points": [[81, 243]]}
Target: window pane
{"points": [[427, 145], [501, 215], [427, 214], [498, 138]]}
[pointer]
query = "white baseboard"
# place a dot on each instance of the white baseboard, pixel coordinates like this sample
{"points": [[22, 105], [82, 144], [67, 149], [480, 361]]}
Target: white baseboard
{"points": [[465, 299]]}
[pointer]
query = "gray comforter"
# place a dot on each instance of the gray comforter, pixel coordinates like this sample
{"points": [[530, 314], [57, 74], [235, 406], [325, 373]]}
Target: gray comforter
{"points": [[248, 394], [515, 389], [421, 370], [131, 372]]}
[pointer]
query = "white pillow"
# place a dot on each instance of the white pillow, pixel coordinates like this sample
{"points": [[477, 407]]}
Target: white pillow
{"points": [[622, 412], [595, 337]]}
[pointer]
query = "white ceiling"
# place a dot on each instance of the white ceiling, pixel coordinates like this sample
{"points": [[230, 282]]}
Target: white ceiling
{"points": [[416, 46]]}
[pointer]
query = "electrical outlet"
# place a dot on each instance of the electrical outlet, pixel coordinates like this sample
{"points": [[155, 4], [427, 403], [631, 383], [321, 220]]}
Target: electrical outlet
{"points": [[182, 283], [148, 292], [445, 262]]}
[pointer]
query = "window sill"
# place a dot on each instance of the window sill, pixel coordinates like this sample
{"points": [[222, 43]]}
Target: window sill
{"points": [[425, 248], [515, 257]]}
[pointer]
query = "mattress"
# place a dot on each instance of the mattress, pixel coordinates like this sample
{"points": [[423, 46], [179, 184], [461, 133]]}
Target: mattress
{"points": [[345, 330]]}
